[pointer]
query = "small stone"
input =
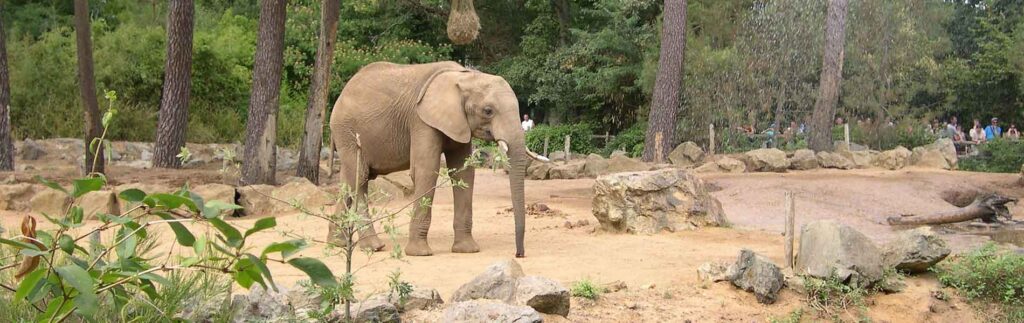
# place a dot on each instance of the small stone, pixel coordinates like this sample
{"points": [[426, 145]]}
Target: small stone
{"points": [[755, 273], [615, 286], [375, 311], [542, 294], [498, 282]]}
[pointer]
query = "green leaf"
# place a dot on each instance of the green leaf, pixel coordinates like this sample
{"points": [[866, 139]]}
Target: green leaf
{"points": [[215, 208], [76, 215], [66, 243], [287, 248], [132, 195], [32, 252], [51, 184], [261, 224], [200, 246], [127, 247], [19, 244], [80, 280], [171, 201], [262, 266], [56, 308], [30, 285], [86, 185], [316, 270], [234, 238], [156, 278], [184, 236], [243, 279]]}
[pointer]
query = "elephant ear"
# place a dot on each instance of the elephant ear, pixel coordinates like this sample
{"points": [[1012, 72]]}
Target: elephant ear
{"points": [[441, 106]]}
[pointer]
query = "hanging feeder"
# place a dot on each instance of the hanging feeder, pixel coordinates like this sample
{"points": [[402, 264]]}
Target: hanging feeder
{"points": [[463, 23]]}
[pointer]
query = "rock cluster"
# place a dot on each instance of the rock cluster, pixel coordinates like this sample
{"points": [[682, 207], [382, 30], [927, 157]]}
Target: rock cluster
{"points": [[505, 282], [648, 202]]}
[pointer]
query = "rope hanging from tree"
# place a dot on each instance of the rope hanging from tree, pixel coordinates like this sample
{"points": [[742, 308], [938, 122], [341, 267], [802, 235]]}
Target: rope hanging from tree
{"points": [[463, 23]]}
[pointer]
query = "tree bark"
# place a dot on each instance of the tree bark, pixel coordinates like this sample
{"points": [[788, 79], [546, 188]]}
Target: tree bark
{"points": [[261, 126], [173, 121], [87, 87], [6, 145], [665, 101], [820, 138], [562, 10], [309, 155], [987, 207]]}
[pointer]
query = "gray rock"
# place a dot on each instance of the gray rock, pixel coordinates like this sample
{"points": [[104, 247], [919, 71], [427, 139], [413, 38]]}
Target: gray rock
{"points": [[620, 164], [217, 192], [542, 294], [557, 155], [375, 311], [834, 160], [860, 158], [402, 180], [686, 154], [538, 170], [715, 272], [618, 153], [255, 200], [946, 148], [497, 282], [758, 275], [490, 311], [766, 160], [929, 158], [418, 299], [893, 159], [50, 201], [566, 171], [96, 202], [17, 197], [915, 251], [261, 305], [146, 155], [829, 248], [31, 150], [595, 166], [803, 159], [649, 202]]}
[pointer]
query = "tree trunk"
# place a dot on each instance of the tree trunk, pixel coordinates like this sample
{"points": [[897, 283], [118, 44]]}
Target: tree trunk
{"points": [[261, 126], [87, 87], [987, 207], [665, 101], [6, 145], [562, 10], [820, 138], [309, 155], [170, 130]]}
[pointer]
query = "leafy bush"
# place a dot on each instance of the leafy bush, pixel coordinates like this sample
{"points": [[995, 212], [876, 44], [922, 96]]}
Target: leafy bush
{"points": [[586, 289], [831, 297], [988, 274], [629, 140], [579, 132], [884, 137], [997, 156]]}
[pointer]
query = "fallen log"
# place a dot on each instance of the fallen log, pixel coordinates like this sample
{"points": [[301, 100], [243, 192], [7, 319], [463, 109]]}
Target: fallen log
{"points": [[987, 207]]}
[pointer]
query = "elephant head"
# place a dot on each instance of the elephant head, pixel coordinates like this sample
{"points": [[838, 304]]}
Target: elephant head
{"points": [[469, 104]]}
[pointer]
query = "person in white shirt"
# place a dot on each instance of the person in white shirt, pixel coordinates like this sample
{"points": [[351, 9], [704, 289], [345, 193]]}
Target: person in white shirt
{"points": [[527, 123]]}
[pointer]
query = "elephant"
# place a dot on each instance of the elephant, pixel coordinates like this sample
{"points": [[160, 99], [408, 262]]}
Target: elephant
{"points": [[393, 117]]}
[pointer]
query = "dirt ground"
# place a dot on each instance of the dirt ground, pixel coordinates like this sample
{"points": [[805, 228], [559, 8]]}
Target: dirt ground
{"points": [[660, 270]]}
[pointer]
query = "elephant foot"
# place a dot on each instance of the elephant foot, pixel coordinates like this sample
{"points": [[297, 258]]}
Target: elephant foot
{"points": [[466, 245], [371, 243], [418, 247]]}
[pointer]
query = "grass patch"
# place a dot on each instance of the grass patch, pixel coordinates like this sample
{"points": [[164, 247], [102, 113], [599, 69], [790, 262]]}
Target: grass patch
{"points": [[989, 276], [794, 317], [586, 288], [832, 298]]}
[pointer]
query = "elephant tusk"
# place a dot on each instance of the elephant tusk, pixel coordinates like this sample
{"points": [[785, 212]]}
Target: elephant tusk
{"points": [[503, 146], [537, 157]]}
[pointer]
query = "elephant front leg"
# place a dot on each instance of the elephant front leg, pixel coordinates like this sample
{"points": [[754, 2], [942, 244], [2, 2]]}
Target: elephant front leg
{"points": [[424, 172], [463, 197]]}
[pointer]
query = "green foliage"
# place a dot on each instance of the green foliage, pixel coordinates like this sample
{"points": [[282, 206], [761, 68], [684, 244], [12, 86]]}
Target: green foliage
{"points": [[996, 156], [831, 297], [988, 274], [630, 140], [580, 134], [884, 137], [587, 289], [794, 317]]}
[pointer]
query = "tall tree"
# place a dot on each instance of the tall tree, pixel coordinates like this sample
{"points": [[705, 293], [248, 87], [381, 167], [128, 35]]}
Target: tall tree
{"points": [[6, 145], [820, 138], [564, 20], [661, 123], [87, 86], [170, 129], [309, 156], [261, 126]]}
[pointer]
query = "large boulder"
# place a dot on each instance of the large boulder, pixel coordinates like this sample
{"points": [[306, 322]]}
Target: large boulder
{"points": [[766, 160], [595, 166], [217, 192], [51, 202], [915, 251], [418, 299], [30, 150], [803, 159], [498, 282], [829, 248], [893, 159], [723, 164], [860, 158], [16, 197], [261, 305], [834, 160], [256, 200], [381, 189], [618, 153], [374, 311], [402, 180], [755, 273], [542, 294], [302, 192], [490, 311], [686, 154], [929, 158], [566, 171], [621, 164], [99, 202], [946, 147], [538, 170], [557, 155], [715, 272], [648, 202]]}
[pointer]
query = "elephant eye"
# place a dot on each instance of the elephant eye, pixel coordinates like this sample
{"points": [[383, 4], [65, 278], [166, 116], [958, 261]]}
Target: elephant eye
{"points": [[488, 111]]}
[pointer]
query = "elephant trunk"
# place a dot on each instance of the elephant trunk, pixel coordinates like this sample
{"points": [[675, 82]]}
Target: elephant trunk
{"points": [[518, 161]]}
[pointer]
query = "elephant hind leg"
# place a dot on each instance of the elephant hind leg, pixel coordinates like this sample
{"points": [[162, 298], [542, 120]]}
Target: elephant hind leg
{"points": [[354, 176]]}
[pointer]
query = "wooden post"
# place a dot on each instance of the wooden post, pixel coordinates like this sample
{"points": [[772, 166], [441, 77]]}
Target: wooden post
{"points": [[846, 133], [607, 138], [658, 153], [711, 139], [567, 151], [546, 140], [790, 227]]}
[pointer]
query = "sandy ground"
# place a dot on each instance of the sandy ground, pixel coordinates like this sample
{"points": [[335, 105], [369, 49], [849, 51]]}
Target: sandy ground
{"points": [[660, 270]]}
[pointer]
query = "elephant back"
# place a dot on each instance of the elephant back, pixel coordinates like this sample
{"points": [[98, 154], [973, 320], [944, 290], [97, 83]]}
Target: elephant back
{"points": [[400, 85]]}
